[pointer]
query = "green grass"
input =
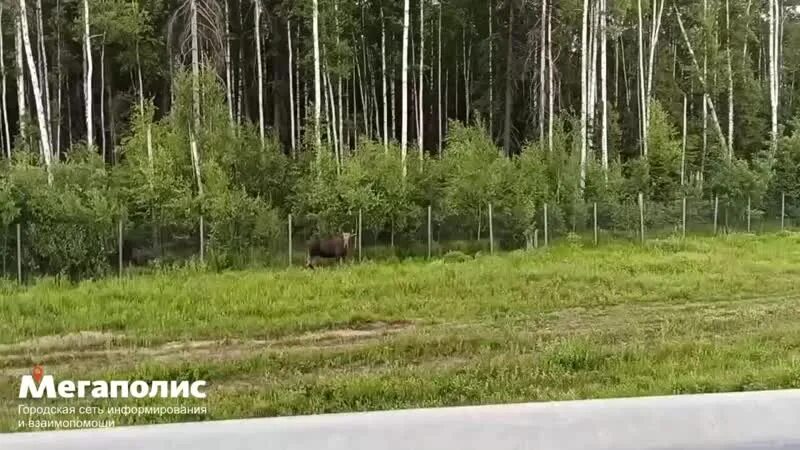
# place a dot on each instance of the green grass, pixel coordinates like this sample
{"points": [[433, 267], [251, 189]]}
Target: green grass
{"points": [[572, 321]]}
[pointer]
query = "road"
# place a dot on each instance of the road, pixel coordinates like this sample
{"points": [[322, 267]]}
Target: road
{"points": [[741, 421]]}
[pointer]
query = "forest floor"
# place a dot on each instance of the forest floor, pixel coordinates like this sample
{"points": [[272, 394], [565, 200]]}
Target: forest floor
{"points": [[568, 322]]}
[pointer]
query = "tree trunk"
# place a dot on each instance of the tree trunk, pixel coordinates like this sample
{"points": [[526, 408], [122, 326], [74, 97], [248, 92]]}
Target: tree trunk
{"points": [[291, 87], [3, 89], [584, 89], [22, 110], [37, 93], [421, 86], [317, 80], [550, 92], [542, 67], [642, 87], [260, 72], [509, 90], [102, 88], [45, 72], [383, 77], [87, 46], [604, 81], [228, 68], [439, 82], [491, 62], [404, 91]]}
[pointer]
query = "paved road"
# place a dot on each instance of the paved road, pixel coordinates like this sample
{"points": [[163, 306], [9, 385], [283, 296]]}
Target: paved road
{"points": [[742, 421]]}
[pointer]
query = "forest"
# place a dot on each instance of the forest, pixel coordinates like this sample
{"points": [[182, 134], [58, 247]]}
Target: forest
{"points": [[216, 119]]}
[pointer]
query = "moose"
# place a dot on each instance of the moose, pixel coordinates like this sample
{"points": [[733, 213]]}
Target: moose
{"points": [[337, 246]]}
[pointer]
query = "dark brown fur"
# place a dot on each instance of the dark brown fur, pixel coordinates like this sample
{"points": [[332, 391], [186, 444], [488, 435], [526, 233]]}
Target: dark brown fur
{"points": [[337, 247]]}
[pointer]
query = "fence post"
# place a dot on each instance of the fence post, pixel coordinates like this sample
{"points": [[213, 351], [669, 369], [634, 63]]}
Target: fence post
{"points": [[291, 250], [783, 209], [536, 238], [748, 213], [716, 212], [19, 253], [430, 233], [595, 223], [683, 218], [545, 225], [359, 234], [491, 231], [202, 241], [641, 215], [119, 245]]}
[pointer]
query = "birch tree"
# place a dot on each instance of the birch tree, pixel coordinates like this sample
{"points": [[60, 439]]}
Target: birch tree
{"points": [[420, 125], [383, 78], [317, 80], [87, 88], [260, 71], [3, 89], [37, 92], [404, 90], [22, 110]]}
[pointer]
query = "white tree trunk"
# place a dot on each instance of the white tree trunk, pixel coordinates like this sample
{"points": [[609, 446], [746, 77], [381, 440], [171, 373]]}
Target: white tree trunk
{"points": [[550, 92], [45, 73], [392, 101], [57, 153], [774, 69], [383, 77], [709, 101], [37, 92], [229, 69], [604, 81], [542, 71], [642, 88], [584, 89], [291, 86], [404, 90], [730, 81], [260, 70], [317, 80], [22, 108], [3, 96], [141, 108], [195, 154], [439, 58], [491, 62], [87, 87], [421, 86], [683, 148]]}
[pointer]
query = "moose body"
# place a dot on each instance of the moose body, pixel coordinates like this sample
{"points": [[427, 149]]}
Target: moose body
{"points": [[337, 247]]}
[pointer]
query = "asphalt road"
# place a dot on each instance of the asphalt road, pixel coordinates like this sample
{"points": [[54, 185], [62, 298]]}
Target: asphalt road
{"points": [[740, 421]]}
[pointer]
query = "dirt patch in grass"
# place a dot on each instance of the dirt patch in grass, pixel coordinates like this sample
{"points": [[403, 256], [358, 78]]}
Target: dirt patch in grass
{"points": [[82, 349]]}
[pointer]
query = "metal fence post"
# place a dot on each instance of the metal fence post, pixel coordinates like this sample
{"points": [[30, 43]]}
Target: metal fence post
{"points": [[359, 234], [119, 245], [430, 233], [19, 253], [291, 251], [783, 210], [683, 219], [748, 213], [641, 215], [545, 225], [202, 241], [716, 212], [491, 231], [595, 223]]}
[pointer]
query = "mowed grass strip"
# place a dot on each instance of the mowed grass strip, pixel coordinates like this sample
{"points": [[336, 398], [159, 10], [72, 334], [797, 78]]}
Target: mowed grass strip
{"points": [[704, 315], [264, 304]]}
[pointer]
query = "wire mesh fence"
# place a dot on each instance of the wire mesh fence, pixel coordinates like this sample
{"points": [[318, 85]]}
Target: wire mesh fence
{"points": [[29, 249]]}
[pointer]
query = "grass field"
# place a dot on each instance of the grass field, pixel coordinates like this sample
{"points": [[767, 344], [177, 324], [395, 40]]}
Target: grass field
{"points": [[569, 322]]}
